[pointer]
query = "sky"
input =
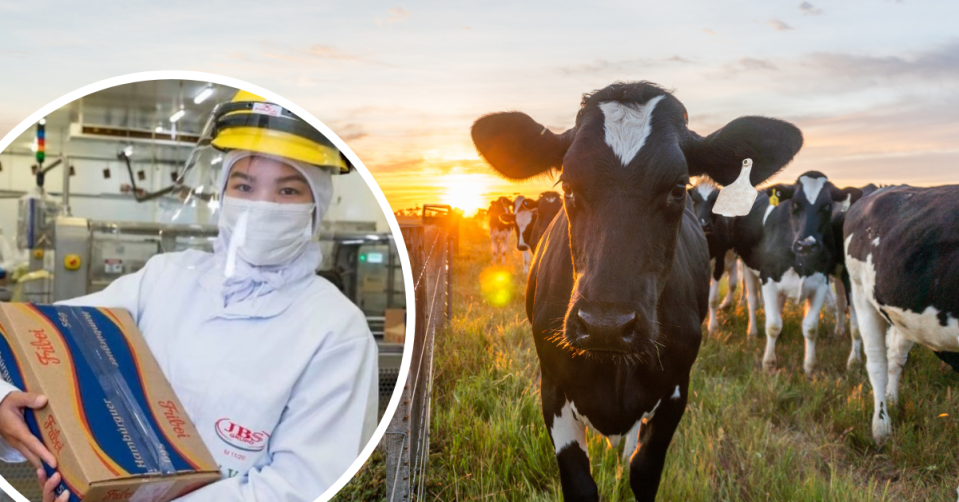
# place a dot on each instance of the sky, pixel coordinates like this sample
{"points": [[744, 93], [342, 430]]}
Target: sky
{"points": [[872, 84]]}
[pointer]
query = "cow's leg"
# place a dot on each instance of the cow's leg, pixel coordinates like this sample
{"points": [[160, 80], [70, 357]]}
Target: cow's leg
{"points": [[774, 322], [810, 326], [855, 352], [840, 308], [655, 434], [732, 273], [493, 244], [568, 435], [873, 328], [751, 287], [526, 261], [897, 352]]}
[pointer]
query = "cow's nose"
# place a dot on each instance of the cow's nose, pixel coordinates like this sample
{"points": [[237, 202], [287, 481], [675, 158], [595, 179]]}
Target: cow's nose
{"points": [[522, 247], [708, 227], [604, 328], [807, 246]]}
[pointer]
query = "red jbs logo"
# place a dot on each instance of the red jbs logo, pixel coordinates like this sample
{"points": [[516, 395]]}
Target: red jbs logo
{"points": [[240, 437]]}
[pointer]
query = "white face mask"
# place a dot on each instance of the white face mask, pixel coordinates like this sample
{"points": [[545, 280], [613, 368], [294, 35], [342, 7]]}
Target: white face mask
{"points": [[265, 233]]}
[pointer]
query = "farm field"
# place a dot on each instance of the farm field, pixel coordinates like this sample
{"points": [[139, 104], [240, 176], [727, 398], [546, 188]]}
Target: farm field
{"points": [[747, 435]]}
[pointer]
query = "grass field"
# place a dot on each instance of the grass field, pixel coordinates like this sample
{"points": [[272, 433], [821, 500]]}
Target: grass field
{"points": [[747, 435]]}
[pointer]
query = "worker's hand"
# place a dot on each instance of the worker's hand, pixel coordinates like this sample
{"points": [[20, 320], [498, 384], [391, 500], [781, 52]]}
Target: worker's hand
{"points": [[48, 485], [14, 429]]}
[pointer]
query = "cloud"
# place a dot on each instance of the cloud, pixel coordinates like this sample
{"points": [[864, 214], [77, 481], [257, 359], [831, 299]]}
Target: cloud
{"points": [[939, 63], [397, 15], [749, 64], [603, 65], [709, 32], [350, 131], [808, 9], [779, 25]]}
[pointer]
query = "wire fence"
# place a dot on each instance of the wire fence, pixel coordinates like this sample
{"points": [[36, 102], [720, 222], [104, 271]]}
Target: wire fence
{"points": [[431, 244]]}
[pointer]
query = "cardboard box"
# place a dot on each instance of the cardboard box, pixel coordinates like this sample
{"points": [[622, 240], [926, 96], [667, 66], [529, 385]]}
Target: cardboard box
{"points": [[394, 326], [112, 420]]}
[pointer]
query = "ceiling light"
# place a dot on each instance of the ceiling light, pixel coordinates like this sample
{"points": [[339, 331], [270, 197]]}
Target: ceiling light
{"points": [[177, 116], [204, 94], [159, 128]]}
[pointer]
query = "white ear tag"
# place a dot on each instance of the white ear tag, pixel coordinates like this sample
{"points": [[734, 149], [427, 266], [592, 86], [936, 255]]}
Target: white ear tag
{"points": [[737, 198]]}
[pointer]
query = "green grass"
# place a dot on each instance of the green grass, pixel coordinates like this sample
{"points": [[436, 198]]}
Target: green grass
{"points": [[747, 435]]}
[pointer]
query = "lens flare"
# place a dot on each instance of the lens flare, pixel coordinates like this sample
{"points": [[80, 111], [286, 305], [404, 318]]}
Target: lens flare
{"points": [[497, 286]]}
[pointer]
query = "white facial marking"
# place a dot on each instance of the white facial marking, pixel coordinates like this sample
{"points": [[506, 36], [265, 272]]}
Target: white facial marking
{"points": [[812, 186], [920, 327], [809, 240], [846, 203], [568, 429], [523, 219], [704, 190], [676, 393], [875, 242], [628, 126], [769, 211]]}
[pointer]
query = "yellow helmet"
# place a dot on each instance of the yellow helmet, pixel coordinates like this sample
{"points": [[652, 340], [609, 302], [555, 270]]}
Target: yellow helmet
{"points": [[249, 122]]}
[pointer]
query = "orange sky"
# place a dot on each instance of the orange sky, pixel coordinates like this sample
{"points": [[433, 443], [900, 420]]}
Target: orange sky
{"points": [[872, 85]]}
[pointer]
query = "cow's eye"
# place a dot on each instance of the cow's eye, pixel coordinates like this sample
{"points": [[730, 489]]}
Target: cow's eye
{"points": [[678, 191], [566, 188]]}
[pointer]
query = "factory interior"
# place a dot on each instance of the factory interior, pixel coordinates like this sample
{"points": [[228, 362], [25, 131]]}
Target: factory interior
{"points": [[85, 198]]}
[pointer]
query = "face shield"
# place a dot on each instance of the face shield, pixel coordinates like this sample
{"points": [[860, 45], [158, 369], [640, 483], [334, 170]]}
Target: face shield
{"points": [[259, 174]]}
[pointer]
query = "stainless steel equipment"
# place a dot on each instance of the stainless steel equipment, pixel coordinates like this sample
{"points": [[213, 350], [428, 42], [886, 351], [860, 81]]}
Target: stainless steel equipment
{"points": [[91, 254]]}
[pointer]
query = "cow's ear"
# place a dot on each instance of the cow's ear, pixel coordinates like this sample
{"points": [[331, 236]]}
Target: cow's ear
{"points": [[852, 194], [518, 147], [845, 196], [781, 191], [507, 218], [770, 143], [531, 204]]}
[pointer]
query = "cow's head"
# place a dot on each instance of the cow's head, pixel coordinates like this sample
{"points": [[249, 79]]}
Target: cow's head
{"points": [[625, 167], [703, 196], [811, 201], [523, 216]]}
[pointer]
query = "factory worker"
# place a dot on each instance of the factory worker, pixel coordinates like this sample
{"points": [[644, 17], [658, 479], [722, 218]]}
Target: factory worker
{"points": [[250, 338]]}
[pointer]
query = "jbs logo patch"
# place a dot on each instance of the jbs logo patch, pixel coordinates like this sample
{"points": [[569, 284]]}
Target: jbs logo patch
{"points": [[240, 437], [268, 109]]}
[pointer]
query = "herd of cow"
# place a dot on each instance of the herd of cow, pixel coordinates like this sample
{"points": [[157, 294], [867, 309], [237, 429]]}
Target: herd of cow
{"points": [[627, 261]]}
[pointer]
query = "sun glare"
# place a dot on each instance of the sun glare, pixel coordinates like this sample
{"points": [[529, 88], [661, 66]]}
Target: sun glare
{"points": [[465, 191]]}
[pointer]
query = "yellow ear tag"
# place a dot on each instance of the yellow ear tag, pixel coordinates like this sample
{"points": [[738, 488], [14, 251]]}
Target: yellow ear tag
{"points": [[773, 200]]}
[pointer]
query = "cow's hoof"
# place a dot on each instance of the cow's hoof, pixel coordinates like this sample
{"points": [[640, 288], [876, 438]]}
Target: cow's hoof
{"points": [[769, 364], [810, 370], [881, 429]]}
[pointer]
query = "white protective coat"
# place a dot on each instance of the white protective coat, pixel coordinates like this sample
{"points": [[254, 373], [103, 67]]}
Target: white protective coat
{"points": [[299, 364]]}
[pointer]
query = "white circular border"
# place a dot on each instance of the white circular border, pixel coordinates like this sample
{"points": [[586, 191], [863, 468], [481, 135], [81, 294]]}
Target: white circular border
{"points": [[343, 147]]}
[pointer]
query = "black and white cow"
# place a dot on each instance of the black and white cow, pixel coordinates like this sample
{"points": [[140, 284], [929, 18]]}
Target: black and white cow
{"points": [[618, 287], [499, 229], [530, 219], [799, 252], [722, 257], [522, 220], [548, 205], [902, 252]]}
